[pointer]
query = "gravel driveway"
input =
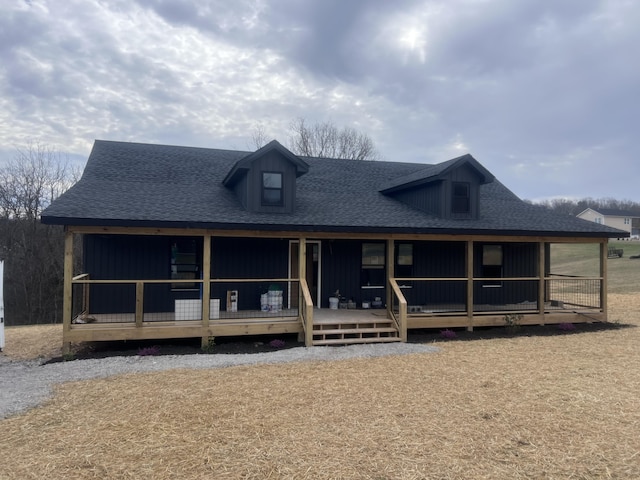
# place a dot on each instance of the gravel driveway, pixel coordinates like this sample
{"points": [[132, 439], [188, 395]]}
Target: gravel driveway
{"points": [[26, 384]]}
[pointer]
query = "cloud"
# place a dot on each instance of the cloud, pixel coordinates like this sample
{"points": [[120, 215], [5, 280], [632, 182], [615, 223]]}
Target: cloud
{"points": [[542, 93]]}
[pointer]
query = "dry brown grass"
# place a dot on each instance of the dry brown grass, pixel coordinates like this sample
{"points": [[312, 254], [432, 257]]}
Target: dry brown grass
{"points": [[564, 406], [33, 341]]}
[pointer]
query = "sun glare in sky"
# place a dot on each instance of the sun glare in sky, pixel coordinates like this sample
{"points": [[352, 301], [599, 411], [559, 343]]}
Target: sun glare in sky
{"points": [[413, 40]]}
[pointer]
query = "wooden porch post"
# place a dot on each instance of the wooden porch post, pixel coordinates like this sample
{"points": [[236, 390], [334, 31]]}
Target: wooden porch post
{"points": [[139, 303], [67, 299], [541, 282], [470, 285], [390, 273], [302, 258], [307, 317], [206, 288], [603, 273]]}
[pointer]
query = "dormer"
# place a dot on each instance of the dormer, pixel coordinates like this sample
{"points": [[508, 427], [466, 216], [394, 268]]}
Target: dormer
{"points": [[265, 180], [448, 190]]}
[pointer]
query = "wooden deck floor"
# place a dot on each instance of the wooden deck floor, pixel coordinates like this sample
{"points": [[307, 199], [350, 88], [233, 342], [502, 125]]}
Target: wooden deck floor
{"points": [[326, 315]]}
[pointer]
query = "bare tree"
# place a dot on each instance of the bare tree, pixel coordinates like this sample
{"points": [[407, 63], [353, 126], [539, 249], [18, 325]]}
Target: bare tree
{"points": [[32, 180], [33, 252], [324, 139], [259, 136]]}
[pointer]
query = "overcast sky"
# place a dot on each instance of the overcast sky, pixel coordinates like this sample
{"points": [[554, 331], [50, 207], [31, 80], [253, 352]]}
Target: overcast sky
{"points": [[545, 94]]}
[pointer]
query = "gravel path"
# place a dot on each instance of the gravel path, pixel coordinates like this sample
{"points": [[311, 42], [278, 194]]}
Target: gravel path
{"points": [[26, 384]]}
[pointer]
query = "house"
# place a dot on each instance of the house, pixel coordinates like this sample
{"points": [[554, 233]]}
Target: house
{"points": [[620, 219], [274, 243]]}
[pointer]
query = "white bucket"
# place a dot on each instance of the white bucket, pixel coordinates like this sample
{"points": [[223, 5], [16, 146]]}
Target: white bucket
{"points": [[274, 300], [333, 303]]}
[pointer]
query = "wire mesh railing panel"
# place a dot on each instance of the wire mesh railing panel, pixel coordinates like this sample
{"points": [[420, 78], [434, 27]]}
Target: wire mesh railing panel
{"points": [[78, 303], [108, 301], [104, 302], [240, 299], [437, 296], [562, 293], [506, 295]]}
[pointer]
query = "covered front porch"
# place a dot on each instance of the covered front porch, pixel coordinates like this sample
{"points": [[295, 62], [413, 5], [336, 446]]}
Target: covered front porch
{"points": [[458, 293]]}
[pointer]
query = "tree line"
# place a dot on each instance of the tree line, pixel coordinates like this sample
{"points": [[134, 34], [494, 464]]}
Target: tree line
{"points": [[574, 207], [32, 252]]}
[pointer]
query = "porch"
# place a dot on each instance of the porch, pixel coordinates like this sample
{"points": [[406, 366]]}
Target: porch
{"points": [[141, 308], [566, 301]]}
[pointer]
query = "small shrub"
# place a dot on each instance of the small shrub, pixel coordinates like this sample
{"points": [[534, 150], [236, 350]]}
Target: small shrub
{"points": [[566, 327], [67, 357], [211, 345], [277, 343], [448, 334], [149, 351], [512, 322]]}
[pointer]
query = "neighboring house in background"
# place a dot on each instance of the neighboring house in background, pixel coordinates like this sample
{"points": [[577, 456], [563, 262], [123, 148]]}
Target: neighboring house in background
{"points": [[620, 219], [274, 242]]}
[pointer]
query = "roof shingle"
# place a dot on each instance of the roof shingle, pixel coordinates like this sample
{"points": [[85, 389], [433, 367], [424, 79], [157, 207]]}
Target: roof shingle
{"points": [[130, 184]]}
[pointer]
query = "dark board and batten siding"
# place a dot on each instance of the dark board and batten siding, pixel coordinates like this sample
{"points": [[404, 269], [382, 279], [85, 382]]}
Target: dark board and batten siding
{"points": [[130, 257], [437, 260], [115, 257], [248, 258], [427, 198], [272, 162], [341, 265], [436, 197], [519, 260], [240, 190], [464, 174]]}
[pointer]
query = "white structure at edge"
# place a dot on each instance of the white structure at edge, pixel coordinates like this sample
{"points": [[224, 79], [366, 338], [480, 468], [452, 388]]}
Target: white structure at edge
{"points": [[1, 305]]}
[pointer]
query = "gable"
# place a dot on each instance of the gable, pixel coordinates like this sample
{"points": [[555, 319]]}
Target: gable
{"points": [[265, 180], [449, 190]]}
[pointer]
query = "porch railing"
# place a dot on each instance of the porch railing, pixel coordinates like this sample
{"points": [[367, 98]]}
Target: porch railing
{"points": [[449, 296], [398, 309], [80, 293], [420, 293], [564, 291], [138, 301], [306, 312]]}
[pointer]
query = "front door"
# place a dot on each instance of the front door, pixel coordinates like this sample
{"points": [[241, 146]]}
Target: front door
{"points": [[312, 260]]}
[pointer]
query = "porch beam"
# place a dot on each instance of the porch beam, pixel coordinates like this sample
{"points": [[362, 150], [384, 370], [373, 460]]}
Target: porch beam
{"points": [[470, 285], [206, 288], [327, 235], [67, 298]]}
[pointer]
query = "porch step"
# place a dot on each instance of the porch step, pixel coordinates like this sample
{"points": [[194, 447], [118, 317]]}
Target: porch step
{"points": [[353, 341], [354, 331], [350, 331]]}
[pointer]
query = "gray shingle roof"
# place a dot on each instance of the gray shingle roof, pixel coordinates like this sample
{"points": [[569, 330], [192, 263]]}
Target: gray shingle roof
{"points": [[613, 212], [131, 184], [435, 172]]}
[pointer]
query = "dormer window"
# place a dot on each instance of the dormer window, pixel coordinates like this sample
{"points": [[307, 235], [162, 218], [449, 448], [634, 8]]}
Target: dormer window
{"points": [[265, 181], [272, 189], [461, 201]]}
